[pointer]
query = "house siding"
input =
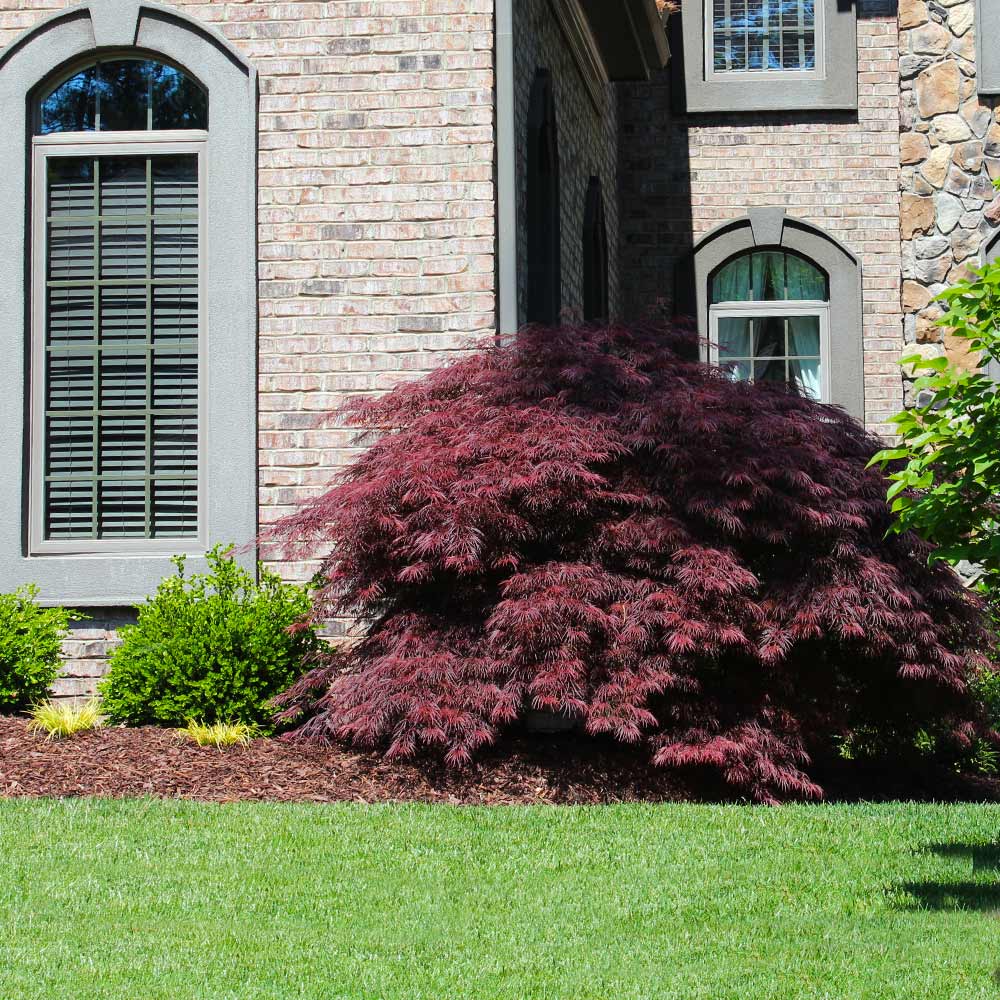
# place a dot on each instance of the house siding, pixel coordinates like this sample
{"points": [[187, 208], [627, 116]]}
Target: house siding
{"points": [[683, 175]]}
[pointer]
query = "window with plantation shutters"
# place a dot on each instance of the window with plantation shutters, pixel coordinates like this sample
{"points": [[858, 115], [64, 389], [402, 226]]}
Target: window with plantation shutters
{"points": [[763, 36], [117, 422]]}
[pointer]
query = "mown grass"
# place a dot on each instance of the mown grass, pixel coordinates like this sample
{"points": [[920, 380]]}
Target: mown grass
{"points": [[171, 900]]}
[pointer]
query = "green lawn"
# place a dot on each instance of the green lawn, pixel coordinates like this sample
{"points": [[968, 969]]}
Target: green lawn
{"points": [[146, 900]]}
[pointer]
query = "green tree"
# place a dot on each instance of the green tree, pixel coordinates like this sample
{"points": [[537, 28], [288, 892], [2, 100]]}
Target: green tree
{"points": [[945, 471]]}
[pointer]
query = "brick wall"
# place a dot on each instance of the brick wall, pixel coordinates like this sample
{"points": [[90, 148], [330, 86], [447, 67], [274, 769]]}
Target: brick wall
{"points": [[588, 146], [683, 175], [376, 207]]}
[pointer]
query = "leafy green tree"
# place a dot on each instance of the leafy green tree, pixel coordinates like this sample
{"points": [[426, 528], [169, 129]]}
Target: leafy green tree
{"points": [[945, 471]]}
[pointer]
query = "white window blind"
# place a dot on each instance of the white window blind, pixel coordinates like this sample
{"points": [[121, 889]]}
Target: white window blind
{"points": [[757, 36], [121, 347]]}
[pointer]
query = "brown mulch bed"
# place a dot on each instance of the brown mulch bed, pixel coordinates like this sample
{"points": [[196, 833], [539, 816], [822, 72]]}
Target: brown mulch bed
{"points": [[522, 770], [135, 762]]}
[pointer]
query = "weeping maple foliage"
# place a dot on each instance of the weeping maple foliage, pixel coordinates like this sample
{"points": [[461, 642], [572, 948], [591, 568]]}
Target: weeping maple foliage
{"points": [[585, 522]]}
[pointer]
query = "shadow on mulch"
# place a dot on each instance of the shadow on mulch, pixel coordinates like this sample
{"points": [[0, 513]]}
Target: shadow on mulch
{"points": [[521, 770]]}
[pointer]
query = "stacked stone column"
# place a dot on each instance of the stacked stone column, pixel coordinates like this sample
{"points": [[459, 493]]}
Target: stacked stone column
{"points": [[950, 154]]}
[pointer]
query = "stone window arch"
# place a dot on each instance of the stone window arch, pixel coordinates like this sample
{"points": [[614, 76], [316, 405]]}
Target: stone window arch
{"points": [[838, 310], [544, 294], [161, 189]]}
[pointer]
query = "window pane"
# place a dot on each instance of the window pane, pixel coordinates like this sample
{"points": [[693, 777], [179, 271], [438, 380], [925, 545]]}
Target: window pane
{"points": [[806, 375], [734, 338], [732, 283], [803, 336], [769, 337], [125, 95], [72, 107], [770, 371], [769, 276], [122, 386]]}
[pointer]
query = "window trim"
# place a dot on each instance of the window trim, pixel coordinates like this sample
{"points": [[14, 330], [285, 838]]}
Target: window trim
{"points": [[782, 308], [56, 144], [30, 63], [745, 77], [697, 91], [771, 229]]}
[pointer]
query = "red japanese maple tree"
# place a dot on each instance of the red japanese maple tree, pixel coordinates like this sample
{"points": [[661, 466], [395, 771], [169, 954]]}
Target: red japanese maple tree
{"points": [[586, 522]]}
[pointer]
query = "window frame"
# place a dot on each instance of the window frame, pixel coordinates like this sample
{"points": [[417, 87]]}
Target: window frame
{"points": [[28, 66], [744, 77], [784, 308], [96, 144], [697, 89]]}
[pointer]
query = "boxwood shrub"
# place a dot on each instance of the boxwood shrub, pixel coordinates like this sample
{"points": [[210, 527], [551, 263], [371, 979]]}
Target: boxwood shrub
{"points": [[30, 640], [212, 647]]}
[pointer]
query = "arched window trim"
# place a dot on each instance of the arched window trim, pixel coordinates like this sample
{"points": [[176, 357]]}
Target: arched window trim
{"points": [[544, 278], [56, 45], [771, 228], [595, 255]]}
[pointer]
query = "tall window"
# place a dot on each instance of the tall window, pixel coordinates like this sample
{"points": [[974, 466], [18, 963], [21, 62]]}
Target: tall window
{"points": [[116, 313], [759, 36], [769, 320], [544, 296], [595, 255]]}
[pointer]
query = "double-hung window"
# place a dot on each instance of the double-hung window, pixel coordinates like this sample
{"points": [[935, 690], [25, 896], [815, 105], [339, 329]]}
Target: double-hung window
{"points": [[769, 321], [764, 36], [117, 401]]}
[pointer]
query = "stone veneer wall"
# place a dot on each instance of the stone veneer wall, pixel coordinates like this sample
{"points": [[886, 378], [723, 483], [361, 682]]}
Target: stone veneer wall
{"points": [[950, 153], [683, 175], [375, 211], [588, 146]]}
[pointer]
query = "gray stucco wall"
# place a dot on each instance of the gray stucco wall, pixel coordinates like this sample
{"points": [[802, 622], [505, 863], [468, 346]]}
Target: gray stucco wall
{"points": [[588, 146]]}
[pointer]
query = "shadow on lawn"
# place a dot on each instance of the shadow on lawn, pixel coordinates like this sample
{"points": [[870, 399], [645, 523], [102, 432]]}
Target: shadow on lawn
{"points": [[982, 897]]}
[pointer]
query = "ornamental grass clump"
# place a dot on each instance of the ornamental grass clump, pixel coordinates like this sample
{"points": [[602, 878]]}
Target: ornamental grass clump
{"points": [[585, 522], [220, 735], [59, 720]]}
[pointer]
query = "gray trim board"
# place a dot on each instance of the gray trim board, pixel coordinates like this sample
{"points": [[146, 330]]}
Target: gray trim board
{"points": [[834, 88], [230, 510], [990, 252], [506, 170], [842, 268], [987, 50]]}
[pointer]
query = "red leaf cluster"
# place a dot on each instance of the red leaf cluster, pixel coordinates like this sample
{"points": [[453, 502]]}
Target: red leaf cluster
{"points": [[585, 522]]}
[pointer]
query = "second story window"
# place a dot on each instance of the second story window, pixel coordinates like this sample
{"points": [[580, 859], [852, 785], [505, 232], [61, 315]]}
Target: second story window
{"points": [[763, 36]]}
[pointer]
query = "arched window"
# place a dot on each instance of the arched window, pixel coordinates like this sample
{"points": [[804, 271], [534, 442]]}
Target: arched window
{"points": [[764, 289], [117, 325], [769, 320], [544, 295], [128, 407], [595, 255]]}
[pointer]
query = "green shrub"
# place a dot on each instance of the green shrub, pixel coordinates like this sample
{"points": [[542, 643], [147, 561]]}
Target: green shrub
{"points": [[30, 641], [215, 646]]}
